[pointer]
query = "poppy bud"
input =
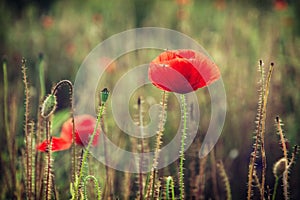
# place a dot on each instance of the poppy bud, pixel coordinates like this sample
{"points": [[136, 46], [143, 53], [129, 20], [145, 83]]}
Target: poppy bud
{"points": [[279, 167], [104, 95], [49, 106]]}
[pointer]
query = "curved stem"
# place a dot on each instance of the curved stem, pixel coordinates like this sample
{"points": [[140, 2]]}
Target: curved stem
{"points": [[96, 186]]}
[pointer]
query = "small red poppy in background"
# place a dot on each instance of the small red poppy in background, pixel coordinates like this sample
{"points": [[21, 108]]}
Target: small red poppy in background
{"points": [[280, 5], [84, 127], [47, 22], [182, 71]]}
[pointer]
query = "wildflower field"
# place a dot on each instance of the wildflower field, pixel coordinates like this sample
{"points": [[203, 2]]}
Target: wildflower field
{"points": [[175, 121]]}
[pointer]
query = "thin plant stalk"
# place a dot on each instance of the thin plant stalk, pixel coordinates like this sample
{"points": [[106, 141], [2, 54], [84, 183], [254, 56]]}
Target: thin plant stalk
{"points": [[225, 179], [263, 128], [28, 156], [181, 157], [260, 130], [214, 174], [41, 69], [275, 188], [284, 149], [73, 148], [108, 184], [159, 135], [140, 110], [170, 186], [97, 187], [86, 153], [11, 142], [49, 180]]}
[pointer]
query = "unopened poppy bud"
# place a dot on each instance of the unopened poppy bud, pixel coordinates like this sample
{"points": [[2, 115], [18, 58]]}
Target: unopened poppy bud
{"points": [[104, 95], [49, 106], [279, 167]]}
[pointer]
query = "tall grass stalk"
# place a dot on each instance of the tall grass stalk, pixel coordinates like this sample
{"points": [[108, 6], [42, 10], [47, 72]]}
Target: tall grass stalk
{"points": [[183, 137]]}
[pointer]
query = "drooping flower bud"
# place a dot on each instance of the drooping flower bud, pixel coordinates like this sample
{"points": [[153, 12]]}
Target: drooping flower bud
{"points": [[49, 106]]}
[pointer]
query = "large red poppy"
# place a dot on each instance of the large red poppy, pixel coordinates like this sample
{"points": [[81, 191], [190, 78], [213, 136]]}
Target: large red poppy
{"points": [[84, 127], [182, 71]]}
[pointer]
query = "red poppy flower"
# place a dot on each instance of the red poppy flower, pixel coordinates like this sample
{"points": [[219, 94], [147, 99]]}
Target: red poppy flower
{"points": [[182, 71], [84, 127], [280, 5]]}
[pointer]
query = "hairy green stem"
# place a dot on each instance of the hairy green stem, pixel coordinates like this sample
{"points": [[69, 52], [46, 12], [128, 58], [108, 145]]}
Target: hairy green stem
{"points": [[181, 174], [275, 188], [41, 69], [86, 152], [170, 186], [96, 186]]}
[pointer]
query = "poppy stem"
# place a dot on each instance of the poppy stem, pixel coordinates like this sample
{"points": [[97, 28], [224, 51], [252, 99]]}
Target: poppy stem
{"points": [[41, 70], [159, 135], [275, 188], [183, 137], [97, 187], [86, 153], [170, 187]]}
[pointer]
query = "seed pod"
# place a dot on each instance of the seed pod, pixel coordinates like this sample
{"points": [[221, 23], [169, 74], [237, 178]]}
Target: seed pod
{"points": [[49, 106], [279, 167]]}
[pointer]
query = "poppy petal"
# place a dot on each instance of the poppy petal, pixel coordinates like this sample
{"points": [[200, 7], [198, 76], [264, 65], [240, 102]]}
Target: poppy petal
{"points": [[58, 144], [85, 125], [182, 71]]}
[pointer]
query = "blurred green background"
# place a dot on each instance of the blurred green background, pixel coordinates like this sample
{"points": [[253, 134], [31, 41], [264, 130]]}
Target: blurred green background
{"points": [[235, 33]]}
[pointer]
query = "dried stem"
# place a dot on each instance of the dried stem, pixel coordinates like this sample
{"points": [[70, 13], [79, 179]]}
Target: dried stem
{"points": [[263, 129], [48, 170], [260, 131], [225, 179], [214, 174], [159, 135], [202, 168], [140, 110]]}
